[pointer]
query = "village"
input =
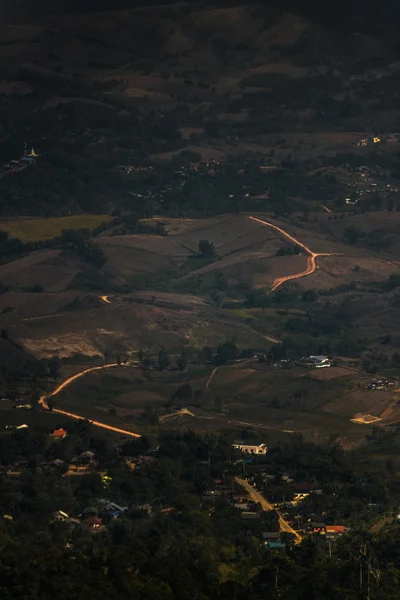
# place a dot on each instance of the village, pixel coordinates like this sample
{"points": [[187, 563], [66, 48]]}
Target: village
{"points": [[266, 501], [20, 164]]}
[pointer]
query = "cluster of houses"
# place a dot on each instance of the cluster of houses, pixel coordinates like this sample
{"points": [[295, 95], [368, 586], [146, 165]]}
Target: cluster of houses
{"points": [[128, 169], [92, 517], [19, 164], [366, 183], [364, 141], [383, 384], [251, 515]]}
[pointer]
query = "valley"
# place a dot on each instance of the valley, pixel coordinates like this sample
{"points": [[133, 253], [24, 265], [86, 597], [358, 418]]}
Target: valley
{"points": [[231, 188]]}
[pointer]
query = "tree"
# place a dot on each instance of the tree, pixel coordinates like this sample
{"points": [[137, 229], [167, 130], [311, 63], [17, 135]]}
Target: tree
{"points": [[207, 354], [227, 352], [352, 234], [310, 296], [35, 399], [184, 394], [206, 249], [182, 361], [163, 359], [54, 366], [141, 355]]}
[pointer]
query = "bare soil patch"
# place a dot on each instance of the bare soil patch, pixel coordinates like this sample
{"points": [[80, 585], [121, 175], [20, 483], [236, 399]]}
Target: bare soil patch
{"points": [[330, 373]]}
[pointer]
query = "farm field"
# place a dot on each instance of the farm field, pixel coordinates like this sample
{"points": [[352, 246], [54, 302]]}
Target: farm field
{"points": [[83, 324], [171, 299], [34, 230], [247, 396]]}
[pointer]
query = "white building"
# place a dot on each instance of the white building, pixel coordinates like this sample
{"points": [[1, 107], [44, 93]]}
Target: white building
{"points": [[320, 361], [250, 449]]}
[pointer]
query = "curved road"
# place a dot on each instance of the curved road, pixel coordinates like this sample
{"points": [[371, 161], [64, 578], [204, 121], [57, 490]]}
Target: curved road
{"points": [[311, 259], [257, 497], [64, 384]]}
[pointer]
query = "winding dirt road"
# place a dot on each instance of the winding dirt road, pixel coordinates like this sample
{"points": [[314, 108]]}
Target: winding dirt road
{"points": [[43, 402], [311, 258], [257, 497]]}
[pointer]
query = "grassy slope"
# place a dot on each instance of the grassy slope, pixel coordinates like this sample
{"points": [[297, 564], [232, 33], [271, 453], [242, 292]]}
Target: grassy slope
{"points": [[164, 267], [33, 230]]}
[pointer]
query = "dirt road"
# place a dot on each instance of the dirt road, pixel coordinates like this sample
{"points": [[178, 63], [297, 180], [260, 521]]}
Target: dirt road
{"points": [[43, 401], [210, 377], [97, 423], [257, 497], [311, 259]]}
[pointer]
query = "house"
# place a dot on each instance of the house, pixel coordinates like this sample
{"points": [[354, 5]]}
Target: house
{"points": [[59, 433], [33, 154], [241, 506], [249, 515], [319, 361], [318, 527], [14, 473], [333, 532], [276, 546], [113, 508], [299, 497], [86, 457], [94, 522], [251, 449], [270, 536], [60, 516]]}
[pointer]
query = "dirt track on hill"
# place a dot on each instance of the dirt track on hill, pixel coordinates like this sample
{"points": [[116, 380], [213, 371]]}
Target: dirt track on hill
{"points": [[311, 259], [43, 401]]}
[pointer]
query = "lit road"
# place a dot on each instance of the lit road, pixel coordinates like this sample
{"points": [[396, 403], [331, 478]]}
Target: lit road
{"points": [[257, 497], [43, 401], [311, 258], [105, 299], [97, 423]]}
